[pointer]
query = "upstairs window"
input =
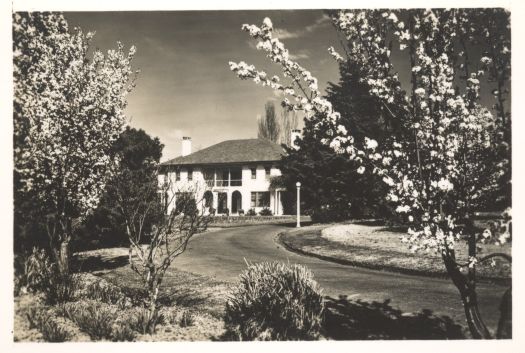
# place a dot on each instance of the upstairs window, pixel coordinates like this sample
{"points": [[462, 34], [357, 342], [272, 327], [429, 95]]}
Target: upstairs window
{"points": [[254, 173], [190, 174], [267, 172], [177, 175]]}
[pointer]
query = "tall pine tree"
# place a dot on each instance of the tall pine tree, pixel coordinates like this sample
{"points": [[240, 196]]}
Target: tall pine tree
{"points": [[332, 190]]}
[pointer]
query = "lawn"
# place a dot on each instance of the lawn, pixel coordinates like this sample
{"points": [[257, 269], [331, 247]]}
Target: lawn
{"points": [[379, 247]]}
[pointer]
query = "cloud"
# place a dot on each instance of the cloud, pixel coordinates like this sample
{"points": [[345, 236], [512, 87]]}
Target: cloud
{"points": [[302, 54], [251, 44], [285, 34]]}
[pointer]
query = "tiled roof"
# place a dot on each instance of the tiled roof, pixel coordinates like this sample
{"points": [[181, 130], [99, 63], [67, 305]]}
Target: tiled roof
{"points": [[233, 151]]}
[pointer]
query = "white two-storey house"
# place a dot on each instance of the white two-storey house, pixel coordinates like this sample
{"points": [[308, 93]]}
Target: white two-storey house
{"points": [[230, 177]]}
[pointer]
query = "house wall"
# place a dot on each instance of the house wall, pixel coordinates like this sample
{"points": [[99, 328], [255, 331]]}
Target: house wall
{"points": [[199, 187]]}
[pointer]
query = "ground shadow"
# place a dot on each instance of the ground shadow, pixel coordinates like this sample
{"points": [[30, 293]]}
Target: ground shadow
{"points": [[294, 224], [184, 298], [97, 263], [359, 320]]}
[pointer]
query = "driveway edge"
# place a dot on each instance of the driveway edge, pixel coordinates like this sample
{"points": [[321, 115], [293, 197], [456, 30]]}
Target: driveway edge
{"points": [[413, 272]]}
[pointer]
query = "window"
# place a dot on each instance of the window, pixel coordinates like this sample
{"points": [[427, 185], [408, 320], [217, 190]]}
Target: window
{"points": [[235, 177], [267, 171], [260, 199], [177, 175], [190, 174], [254, 173]]}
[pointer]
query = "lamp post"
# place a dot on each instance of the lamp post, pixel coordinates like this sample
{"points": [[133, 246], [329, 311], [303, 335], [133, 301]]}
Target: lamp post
{"points": [[298, 184]]}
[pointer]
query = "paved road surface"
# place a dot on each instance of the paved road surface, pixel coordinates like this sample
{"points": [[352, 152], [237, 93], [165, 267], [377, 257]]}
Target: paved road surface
{"points": [[221, 254]]}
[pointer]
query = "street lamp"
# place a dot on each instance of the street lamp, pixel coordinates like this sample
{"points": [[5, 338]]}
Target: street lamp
{"points": [[298, 184]]}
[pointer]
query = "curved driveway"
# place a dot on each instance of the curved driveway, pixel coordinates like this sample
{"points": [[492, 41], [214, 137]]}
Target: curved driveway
{"points": [[221, 254]]}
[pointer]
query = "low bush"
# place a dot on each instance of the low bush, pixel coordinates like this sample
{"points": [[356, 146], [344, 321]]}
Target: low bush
{"points": [[42, 275], [45, 321], [275, 301], [186, 319], [106, 292], [94, 318], [122, 332], [251, 212], [169, 314], [266, 212], [142, 321]]}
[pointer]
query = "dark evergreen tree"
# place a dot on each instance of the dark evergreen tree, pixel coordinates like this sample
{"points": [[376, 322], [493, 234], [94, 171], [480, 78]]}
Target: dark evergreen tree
{"points": [[140, 154], [332, 190]]}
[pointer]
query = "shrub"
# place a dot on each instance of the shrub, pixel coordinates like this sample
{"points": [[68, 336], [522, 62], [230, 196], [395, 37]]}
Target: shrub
{"points": [[122, 332], [328, 214], [42, 275], [45, 322], [186, 319], [106, 292], [169, 314], [142, 321], [275, 301], [94, 318], [266, 212], [251, 212]]}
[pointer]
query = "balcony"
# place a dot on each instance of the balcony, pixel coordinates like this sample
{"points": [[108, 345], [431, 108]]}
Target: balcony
{"points": [[224, 182]]}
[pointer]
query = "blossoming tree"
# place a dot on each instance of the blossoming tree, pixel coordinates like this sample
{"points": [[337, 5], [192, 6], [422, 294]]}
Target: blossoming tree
{"points": [[453, 154], [68, 111]]}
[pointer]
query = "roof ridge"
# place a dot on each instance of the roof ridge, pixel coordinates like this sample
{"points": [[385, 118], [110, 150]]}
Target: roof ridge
{"points": [[229, 151]]}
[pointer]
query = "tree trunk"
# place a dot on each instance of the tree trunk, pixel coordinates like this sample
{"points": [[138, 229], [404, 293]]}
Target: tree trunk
{"points": [[469, 298], [153, 294], [505, 319], [63, 257]]}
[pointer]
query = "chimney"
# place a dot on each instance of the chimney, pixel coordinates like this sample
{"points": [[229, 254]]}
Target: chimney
{"points": [[295, 134], [186, 146]]}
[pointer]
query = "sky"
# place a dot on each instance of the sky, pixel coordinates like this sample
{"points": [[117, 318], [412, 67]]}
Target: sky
{"points": [[185, 86]]}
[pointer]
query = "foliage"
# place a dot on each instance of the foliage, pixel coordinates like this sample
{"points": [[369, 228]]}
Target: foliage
{"points": [[153, 248], [68, 112], [105, 292], [93, 317], [451, 154], [332, 190], [268, 126], [122, 333], [287, 123], [42, 275], [138, 153], [144, 320], [251, 212], [266, 212], [44, 320], [275, 301], [187, 319]]}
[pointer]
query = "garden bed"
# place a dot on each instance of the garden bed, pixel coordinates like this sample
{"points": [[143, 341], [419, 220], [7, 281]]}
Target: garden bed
{"points": [[109, 296], [379, 247], [107, 306], [240, 221]]}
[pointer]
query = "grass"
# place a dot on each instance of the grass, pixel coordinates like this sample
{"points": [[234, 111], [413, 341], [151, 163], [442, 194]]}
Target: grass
{"points": [[378, 247]]}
